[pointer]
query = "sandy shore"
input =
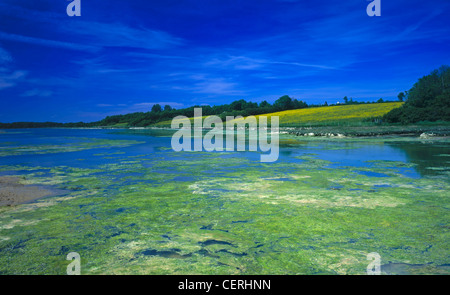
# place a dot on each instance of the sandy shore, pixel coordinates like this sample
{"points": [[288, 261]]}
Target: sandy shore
{"points": [[13, 193]]}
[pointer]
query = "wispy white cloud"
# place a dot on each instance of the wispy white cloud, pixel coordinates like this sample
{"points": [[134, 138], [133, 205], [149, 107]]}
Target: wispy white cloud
{"points": [[5, 57], [249, 63], [102, 35], [153, 55], [236, 62], [216, 86], [138, 107], [205, 83], [121, 35], [97, 34], [306, 65], [37, 92], [9, 78], [46, 42]]}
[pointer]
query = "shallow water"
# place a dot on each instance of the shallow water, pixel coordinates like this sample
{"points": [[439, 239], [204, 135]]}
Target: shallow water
{"points": [[133, 206]]}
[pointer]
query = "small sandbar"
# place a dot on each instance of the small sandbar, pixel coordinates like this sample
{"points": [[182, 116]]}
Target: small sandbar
{"points": [[12, 192]]}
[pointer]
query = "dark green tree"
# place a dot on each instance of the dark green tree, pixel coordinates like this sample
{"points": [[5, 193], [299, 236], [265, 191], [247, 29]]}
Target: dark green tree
{"points": [[298, 104], [283, 103], [428, 100], [264, 104], [238, 105], [156, 108]]}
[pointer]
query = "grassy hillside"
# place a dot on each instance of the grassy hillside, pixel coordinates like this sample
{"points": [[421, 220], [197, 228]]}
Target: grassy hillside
{"points": [[327, 116]]}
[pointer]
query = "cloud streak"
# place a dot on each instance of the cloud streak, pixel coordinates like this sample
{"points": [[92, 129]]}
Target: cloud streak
{"points": [[37, 93], [10, 78], [5, 57], [46, 42], [119, 35]]}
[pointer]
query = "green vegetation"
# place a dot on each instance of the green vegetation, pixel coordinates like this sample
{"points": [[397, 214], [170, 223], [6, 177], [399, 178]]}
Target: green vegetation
{"points": [[427, 100], [216, 214]]}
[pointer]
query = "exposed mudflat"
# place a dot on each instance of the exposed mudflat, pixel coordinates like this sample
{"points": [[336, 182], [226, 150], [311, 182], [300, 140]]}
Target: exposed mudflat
{"points": [[12, 192]]}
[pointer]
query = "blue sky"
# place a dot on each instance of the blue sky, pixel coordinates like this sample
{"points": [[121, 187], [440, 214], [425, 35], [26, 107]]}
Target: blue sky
{"points": [[124, 56]]}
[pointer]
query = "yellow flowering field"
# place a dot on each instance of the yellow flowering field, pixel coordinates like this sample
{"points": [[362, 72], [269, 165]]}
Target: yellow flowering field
{"points": [[329, 115], [333, 114]]}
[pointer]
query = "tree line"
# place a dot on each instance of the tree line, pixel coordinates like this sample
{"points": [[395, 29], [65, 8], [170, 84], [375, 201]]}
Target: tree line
{"points": [[159, 113], [236, 108], [427, 100]]}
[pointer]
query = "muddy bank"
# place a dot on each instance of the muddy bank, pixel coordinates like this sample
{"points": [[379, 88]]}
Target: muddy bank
{"points": [[13, 193], [367, 131]]}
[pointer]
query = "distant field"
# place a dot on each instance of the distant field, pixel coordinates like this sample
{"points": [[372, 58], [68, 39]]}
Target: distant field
{"points": [[334, 115], [327, 116]]}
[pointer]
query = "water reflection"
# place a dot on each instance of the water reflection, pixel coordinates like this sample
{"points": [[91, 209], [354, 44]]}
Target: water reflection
{"points": [[429, 158]]}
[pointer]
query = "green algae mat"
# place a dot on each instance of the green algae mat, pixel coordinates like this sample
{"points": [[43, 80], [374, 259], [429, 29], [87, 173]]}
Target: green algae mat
{"points": [[128, 204]]}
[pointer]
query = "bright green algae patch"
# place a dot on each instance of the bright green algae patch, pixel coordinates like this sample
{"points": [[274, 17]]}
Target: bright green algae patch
{"points": [[213, 213]]}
